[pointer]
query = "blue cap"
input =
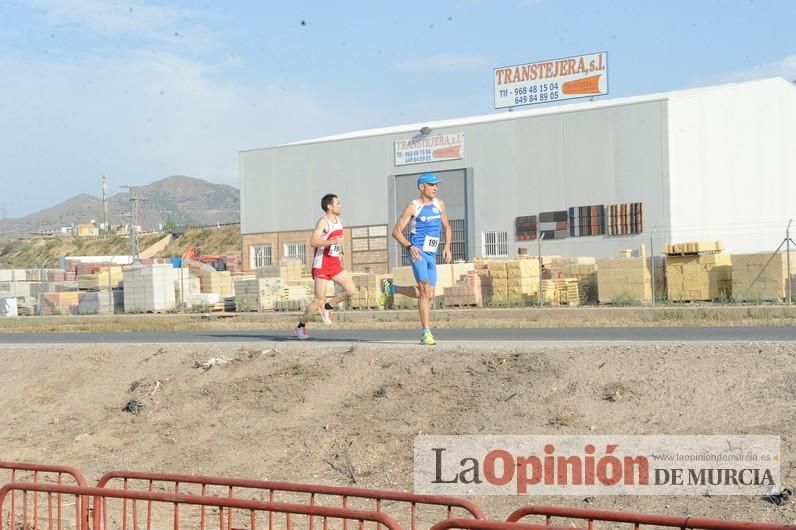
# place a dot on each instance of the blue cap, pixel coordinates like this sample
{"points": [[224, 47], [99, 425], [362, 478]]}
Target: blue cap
{"points": [[427, 178]]}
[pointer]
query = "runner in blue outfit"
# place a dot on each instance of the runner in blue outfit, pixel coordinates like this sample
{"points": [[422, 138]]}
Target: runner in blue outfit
{"points": [[428, 218]]}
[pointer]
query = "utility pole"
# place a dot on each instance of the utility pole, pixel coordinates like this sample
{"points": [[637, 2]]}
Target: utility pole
{"points": [[134, 200], [104, 203], [539, 257], [787, 254], [652, 264]]}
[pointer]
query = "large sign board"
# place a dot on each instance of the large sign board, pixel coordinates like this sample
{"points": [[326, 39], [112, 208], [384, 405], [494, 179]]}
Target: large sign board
{"points": [[435, 148], [553, 80]]}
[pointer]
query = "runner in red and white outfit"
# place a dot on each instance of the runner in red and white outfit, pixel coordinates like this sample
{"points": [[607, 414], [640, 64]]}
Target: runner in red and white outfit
{"points": [[327, 238]]}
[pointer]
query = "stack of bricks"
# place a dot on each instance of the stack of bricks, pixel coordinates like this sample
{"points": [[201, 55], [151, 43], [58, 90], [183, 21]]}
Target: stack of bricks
{"points": [[567, 291], [514, 282], [218, 282], [66, 303], [772, 282], [584, 269], [466, 292], [368, 290], [292, 298], [697, 271], [105, 277], [288, 270], [253, 294], [693, 247], [624, 279]]}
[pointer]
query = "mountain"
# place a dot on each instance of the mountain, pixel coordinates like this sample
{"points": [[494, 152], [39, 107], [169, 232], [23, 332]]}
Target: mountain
{"points": [[186, 200]]}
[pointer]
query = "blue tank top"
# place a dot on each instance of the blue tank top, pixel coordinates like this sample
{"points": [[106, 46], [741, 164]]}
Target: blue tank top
{"points": [[426, 226]]}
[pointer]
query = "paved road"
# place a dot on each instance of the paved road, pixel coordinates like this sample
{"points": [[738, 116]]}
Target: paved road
{"points": [[632, 334]]}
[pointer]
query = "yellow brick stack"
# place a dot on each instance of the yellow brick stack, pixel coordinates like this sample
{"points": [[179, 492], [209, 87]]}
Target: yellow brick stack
{"points": [[466, 292], [105, 278], [772, 283], [697, 271], [218, 282], [624, 280]]}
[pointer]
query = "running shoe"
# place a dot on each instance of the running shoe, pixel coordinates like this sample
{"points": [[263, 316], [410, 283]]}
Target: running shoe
{"points": [[427, 339], [301, 333], [386, 291], [326, 315]]}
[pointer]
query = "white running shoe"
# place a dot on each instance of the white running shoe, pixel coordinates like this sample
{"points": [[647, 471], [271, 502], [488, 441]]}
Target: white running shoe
{"points": [[326, 315], [301, 333]]}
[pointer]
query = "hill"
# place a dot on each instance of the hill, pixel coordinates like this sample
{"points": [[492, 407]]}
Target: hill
{"points": [[184, 200]]}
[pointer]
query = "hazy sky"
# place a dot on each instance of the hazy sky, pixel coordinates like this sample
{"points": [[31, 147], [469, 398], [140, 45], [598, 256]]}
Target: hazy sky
{"points": [[143, 90]]}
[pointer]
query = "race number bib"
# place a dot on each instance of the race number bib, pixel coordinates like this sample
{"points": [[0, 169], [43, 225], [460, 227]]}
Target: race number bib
{"points": [[430, 244], [335, 250]]}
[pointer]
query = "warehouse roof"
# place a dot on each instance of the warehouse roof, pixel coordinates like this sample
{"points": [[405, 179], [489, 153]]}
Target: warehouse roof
{"points": [[537, 111]]}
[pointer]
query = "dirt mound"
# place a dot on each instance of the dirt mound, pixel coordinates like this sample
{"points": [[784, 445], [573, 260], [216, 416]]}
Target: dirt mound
{"points": [[338, 413]]}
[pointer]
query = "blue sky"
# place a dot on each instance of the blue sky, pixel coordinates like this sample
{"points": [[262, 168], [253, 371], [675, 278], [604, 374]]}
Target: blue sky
{"points": [[139, 90]]}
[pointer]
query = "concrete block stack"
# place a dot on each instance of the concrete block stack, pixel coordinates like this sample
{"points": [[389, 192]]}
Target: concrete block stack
{"points": [[624, 280], [514, 282], [101, 302], [567, 291], [584, 269], [466, 291], [108, 277], [368, 290], [772, 283], [149, 288], [289, 270], [254, 294], [186, 286], [65, 303], [697, 271], [218, 282]]}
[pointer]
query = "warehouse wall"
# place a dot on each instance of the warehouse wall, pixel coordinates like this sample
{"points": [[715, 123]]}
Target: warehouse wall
{"points": [[543, 160], [733, 164]]}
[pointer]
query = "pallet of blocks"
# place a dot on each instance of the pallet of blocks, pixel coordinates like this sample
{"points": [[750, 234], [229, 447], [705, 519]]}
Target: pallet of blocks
{"points": [[466, 292], [219, 282], [103, 302], [693, 247], [567, 291], [404, 277], [292, 298], [149, 288], [624, 280], [105, 278], [255, 294], [288, 270], [772, 281], [584, 269], [186, 286], [66, 303], [514, 282], [368, 290], [698, 277]]}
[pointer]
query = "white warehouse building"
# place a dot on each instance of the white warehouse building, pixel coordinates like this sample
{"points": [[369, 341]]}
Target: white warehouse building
{"points": [[588, 179]]}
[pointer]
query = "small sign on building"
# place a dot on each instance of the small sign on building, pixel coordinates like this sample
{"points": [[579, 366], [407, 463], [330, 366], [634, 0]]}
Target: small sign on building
{"points": [[422, 149], [553, 80]]}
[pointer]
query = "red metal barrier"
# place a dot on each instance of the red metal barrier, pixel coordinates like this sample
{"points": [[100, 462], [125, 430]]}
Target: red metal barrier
{"points": [[311, 494], [593, 516], [475, 524], [42, 473], [171, 509]]}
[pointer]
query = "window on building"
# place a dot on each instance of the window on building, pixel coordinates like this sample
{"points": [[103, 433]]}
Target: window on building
{"points": [[495, 244], [297, 250], [260, 256]]}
